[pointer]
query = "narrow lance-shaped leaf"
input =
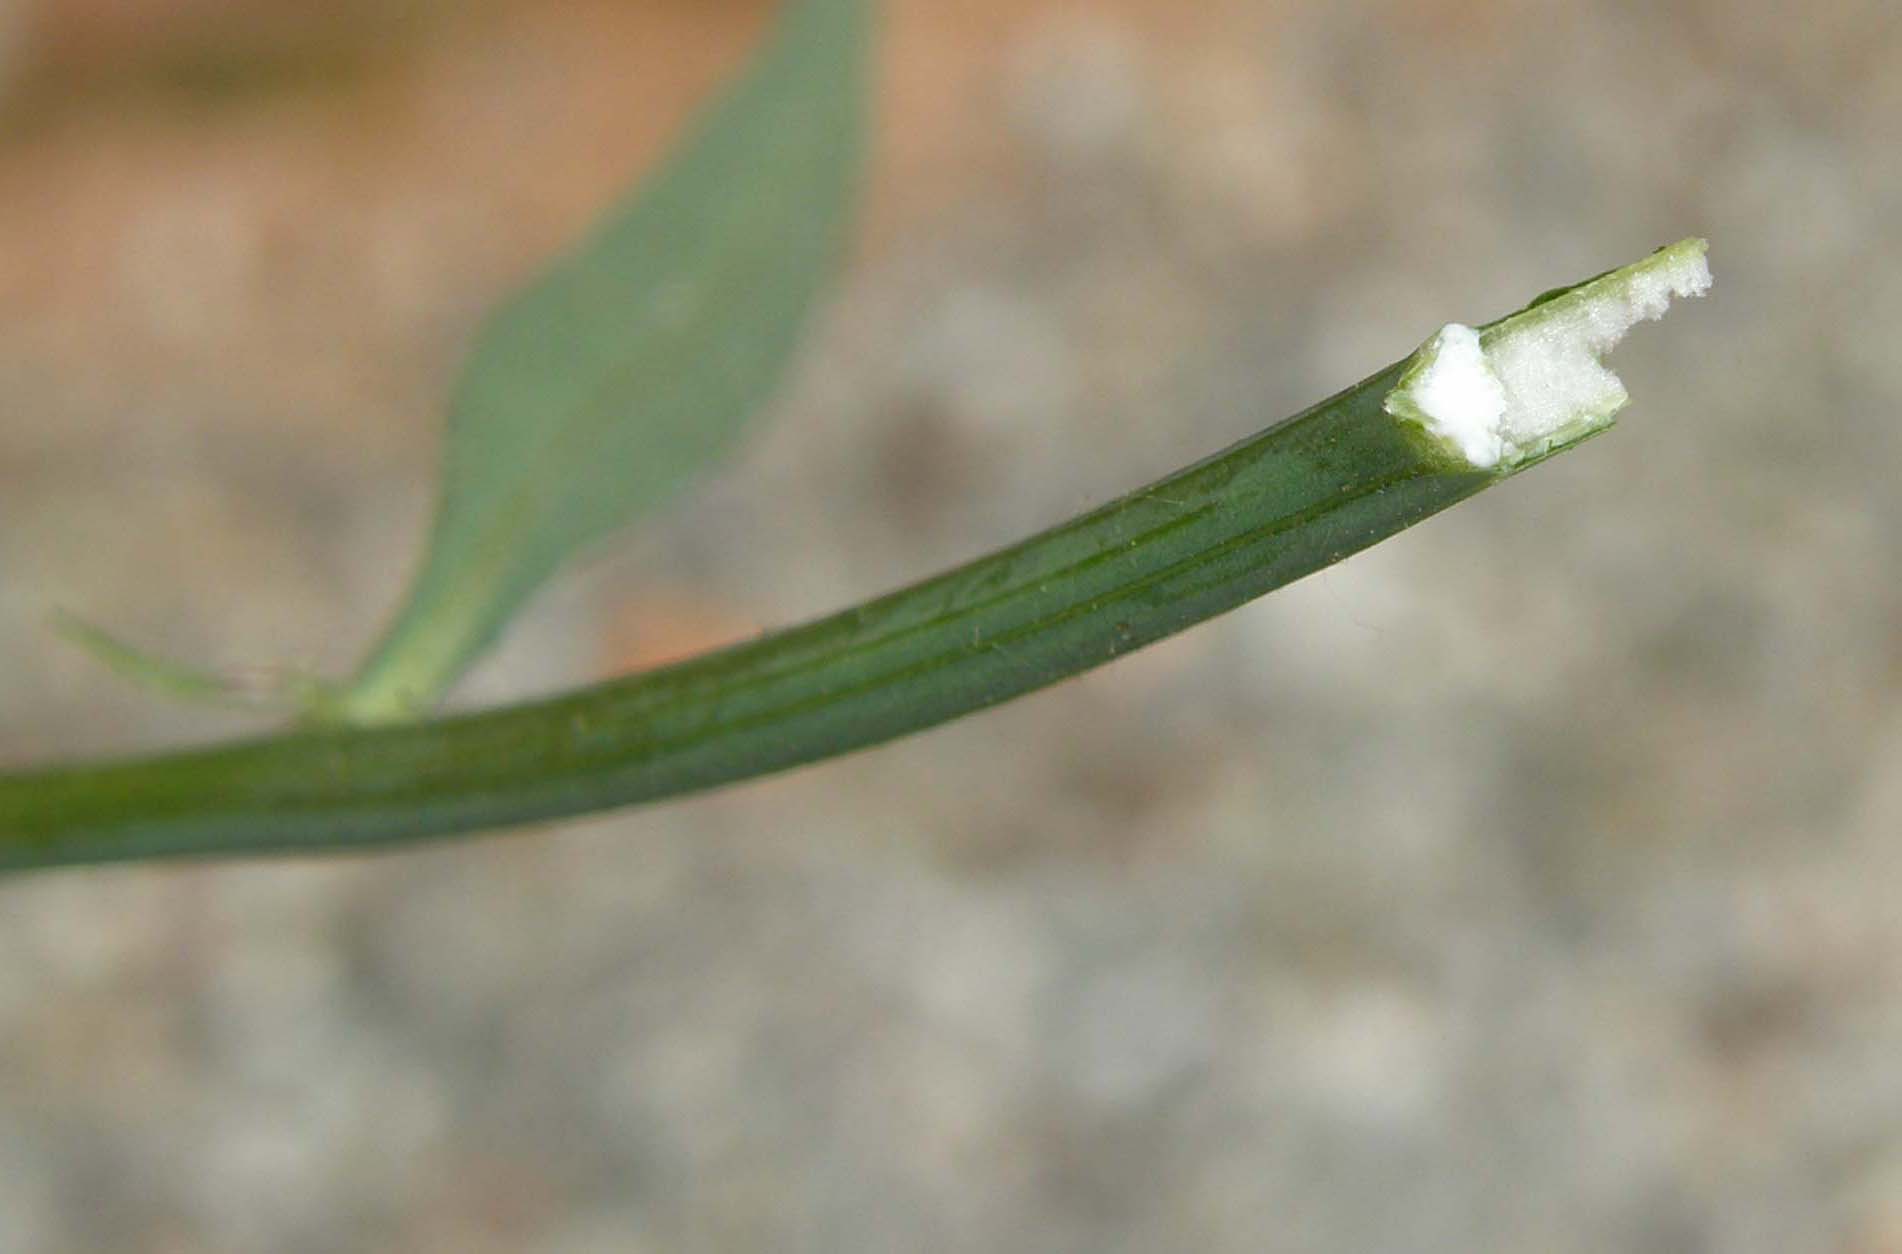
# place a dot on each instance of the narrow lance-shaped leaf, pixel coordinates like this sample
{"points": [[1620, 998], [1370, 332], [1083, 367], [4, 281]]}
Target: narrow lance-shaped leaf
{"points": [[270, 690], [636, 361]]}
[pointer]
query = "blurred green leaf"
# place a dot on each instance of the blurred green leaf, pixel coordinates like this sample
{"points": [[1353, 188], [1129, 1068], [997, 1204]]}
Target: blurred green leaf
{"points": [[636, 361], [274, 690], [148, 670]]}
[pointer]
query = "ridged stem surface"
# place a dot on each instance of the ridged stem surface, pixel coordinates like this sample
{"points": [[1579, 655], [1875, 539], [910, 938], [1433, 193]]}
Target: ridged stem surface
{"points": [[1301, 495]]}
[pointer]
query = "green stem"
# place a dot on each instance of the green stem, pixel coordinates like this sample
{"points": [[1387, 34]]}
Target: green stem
{"points": [[1468, 410], [1308, 492]]}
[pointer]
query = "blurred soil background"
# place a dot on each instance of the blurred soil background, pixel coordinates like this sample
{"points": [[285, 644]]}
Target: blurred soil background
{"points": [[1528, 883]]}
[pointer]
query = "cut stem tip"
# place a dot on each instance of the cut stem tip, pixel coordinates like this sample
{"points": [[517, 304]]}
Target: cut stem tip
{"points": [[1535, 381]]}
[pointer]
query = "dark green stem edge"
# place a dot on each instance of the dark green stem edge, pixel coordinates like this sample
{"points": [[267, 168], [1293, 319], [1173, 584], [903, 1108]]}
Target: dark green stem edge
{"points": [[1299, 496]]}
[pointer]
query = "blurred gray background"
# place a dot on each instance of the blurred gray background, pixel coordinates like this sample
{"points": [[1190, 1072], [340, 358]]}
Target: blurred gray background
{"points": [[1528, 883]]}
